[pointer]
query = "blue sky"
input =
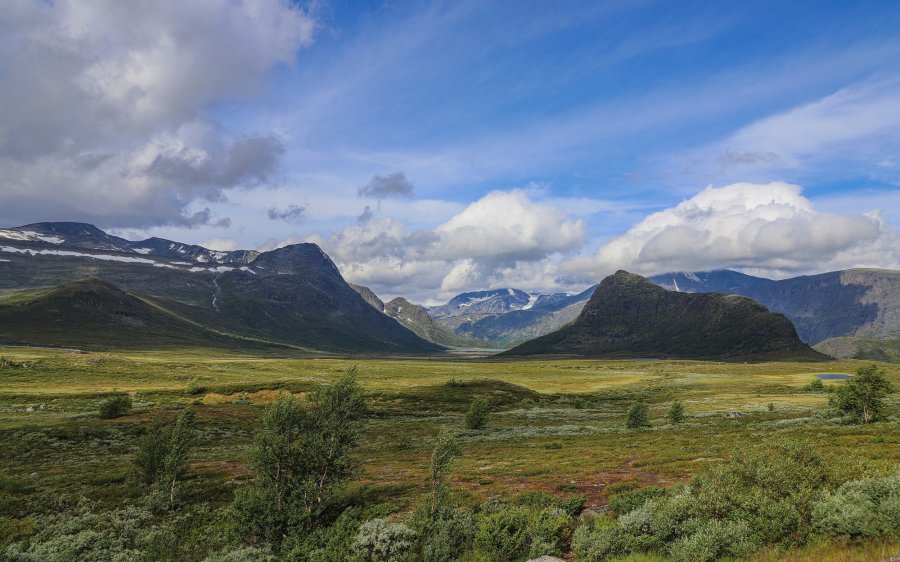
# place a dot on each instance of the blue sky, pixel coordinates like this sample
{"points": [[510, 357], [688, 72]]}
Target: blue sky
{"points": [[570, 123]]}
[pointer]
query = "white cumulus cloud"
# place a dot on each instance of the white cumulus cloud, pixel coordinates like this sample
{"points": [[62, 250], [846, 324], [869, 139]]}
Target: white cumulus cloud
{"points": [[492, 240], [765, 228], [107, 105]]}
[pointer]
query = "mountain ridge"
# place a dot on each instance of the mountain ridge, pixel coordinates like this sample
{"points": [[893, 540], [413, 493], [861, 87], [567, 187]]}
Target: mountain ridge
{"points": [[630, 316]]}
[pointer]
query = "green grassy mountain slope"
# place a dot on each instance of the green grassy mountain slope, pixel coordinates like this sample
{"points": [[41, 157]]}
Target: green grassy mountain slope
{"points": [[291, 296], [860, 348], [93, 314], [630, 316]]}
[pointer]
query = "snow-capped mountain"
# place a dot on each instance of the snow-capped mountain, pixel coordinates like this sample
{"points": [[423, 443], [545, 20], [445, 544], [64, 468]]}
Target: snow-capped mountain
{"points": [[79, 240]]}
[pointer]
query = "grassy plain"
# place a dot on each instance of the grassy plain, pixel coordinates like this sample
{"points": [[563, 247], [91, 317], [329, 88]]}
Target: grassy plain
{"points": [[557, 425]]}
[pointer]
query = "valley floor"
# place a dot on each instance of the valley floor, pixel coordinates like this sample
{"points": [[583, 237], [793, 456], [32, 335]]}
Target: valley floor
{"points": [[557, 426]]}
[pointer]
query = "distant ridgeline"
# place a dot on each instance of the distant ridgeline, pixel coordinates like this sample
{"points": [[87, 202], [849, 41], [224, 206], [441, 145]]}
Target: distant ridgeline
{"points": [[158, 292], [71, 284], [629, 316]]}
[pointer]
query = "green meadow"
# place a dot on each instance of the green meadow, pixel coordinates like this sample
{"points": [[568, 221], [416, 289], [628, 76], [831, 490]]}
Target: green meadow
{"points": [[555, 426]]}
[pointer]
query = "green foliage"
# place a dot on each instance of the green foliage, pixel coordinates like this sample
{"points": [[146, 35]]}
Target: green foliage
{"points": [[503, 534], [163, 451], [629, 500], [863, 396], [115, 407], [637, 416], [245, 554], [381, 541], [85, 534], [517, 532], [861, 509], [449, 536], [762, 495], [334, 543], [770, 406], [537, 499], [676, 412], [302, 456], [815, 385], [713, 540], [194, 387], [445, 452], [476, 417]]}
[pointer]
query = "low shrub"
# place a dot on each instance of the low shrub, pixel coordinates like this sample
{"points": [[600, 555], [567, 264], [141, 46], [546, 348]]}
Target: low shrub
{"points": [[627, 501], [503, 534], [815, 385], [861, 509], [713, 540], [381, 541], [637, 416], [115, 407]]}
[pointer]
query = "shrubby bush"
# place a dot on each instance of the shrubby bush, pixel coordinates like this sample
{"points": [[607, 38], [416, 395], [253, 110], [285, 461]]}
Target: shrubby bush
{"points": [[517, 532], [503, 534], [712, 540], [334, 543], [861, 509], [638, 416], [126, 534], [380, 541], [115, 407], [762, 495], [815, 385], [629, 500], [246, 554], [676, 413]]}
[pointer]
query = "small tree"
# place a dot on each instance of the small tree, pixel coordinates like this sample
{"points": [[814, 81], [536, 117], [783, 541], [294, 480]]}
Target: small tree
{"points": [[676, 412], [445, 452], [163, 452], [637, 416], [815, 385], [303, 454], [115, 407], [863, 395], [476, 417]]}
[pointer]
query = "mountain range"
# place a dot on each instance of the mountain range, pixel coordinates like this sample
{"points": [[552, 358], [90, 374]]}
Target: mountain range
{"points": [[161, 292], [292, 296], [629, 316], [863, 303]]}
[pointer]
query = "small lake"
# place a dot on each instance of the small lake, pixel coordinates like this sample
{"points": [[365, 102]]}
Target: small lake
{"points": [[833, 377]]}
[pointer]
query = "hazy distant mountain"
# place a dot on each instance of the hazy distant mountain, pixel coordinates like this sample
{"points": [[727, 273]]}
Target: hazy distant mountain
{"points": [[506, 317], [369, 296], [855, 302], [859, 348], [417, 319], [630, 316], [293, 295], [496, 301]]}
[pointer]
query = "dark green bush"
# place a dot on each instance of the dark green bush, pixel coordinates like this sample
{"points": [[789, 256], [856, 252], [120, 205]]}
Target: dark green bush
{"points": [[115, 407], [676, 412], [627, 501], [476, 417], [637, 416], [815, 385], [503, 534]]}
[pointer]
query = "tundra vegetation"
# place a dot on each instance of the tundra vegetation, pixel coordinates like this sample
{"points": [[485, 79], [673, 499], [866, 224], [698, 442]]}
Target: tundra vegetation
{"points": [[252, 458]]}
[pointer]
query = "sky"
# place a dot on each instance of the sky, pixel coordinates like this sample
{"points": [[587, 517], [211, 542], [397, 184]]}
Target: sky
{"points": [[434, 148]]}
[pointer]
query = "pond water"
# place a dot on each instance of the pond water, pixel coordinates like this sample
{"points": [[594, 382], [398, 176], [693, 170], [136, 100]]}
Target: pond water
{"points": [[834, 377]]}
